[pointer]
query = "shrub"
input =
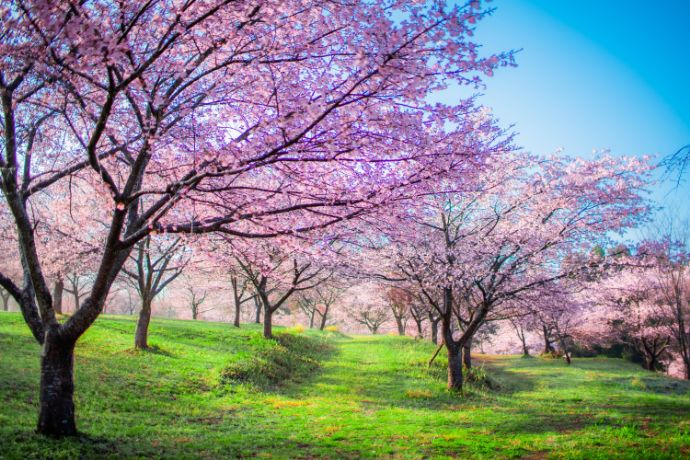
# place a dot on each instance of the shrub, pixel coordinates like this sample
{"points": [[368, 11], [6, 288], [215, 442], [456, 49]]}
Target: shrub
{"points": [[333, 328], [287, 358], [478, 376]]}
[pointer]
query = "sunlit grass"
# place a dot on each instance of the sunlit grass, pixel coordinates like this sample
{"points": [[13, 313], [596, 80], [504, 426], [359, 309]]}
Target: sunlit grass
{"points": [[359, 397]]}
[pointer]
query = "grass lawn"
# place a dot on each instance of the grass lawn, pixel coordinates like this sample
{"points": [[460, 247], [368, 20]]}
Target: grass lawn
{"points": [[209, 390]]}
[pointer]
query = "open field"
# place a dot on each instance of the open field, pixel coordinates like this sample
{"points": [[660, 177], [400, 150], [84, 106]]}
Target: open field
{"points": [[209, 390]]}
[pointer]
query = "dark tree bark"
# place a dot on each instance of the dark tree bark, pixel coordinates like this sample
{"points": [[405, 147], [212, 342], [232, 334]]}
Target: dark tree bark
{"points": [[268, 322], [142, 332], [652, 350], [453, 347], [238, 295], [324, 317], [467, 354], [58, 288], [236, 298], [56, 414], [151, 273], [455, 379]]}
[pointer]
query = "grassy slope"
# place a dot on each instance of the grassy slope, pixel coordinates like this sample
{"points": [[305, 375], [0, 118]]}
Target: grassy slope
{"points": [[373, 397]]}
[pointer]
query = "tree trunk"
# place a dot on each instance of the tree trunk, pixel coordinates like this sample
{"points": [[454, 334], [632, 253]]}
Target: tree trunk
{"points": [[466, 354], [454, 367], [548, 348], [311, 319], [236, 321], [454, 348], [257, 304], [401, 326], [566, 354], [5, 300], [142, 333], [420, 334], [75, 294], [56, 415], [58, 288], [324, 318], [238, 302], [434, 332], [268, 323]]}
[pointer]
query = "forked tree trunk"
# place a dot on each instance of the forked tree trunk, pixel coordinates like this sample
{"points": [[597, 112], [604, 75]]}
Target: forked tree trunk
{"points": [[311, 319], [454, 367], [268, 323], [58, 289], [467, 354], [142, 333], [56, 414]]}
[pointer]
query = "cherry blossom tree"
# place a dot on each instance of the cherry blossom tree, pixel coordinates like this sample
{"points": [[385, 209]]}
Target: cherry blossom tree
{"points": [[399, 301], [153, 265], [277, 272], [241, 293], [317, 303], [371, 315], [419, 313], [474, 254], [196, 298], [219, 116]]}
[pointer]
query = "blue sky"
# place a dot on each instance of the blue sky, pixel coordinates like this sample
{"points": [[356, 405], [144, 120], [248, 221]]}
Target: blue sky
{"points": [[593, 75]]}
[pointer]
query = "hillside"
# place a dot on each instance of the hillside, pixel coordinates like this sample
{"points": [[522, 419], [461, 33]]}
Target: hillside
{"points": [[211, 391]]}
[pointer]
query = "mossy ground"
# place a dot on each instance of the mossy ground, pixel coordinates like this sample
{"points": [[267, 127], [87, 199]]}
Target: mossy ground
{"points": [[208, 390]]}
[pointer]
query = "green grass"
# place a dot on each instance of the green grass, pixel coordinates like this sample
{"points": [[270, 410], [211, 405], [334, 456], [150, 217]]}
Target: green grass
{"points": [[211, 391]]}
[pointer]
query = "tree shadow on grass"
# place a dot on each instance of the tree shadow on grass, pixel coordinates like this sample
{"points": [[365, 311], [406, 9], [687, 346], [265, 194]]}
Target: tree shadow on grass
{"points": [[653, 384], [408, 385]]}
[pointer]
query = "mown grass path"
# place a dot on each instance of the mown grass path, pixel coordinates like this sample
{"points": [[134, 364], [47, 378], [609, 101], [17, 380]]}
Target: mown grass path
{"points": [[376, 398], [371, 397]]}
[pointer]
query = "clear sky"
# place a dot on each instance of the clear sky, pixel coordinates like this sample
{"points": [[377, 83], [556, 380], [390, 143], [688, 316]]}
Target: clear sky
{"points": [[594, 74]]}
